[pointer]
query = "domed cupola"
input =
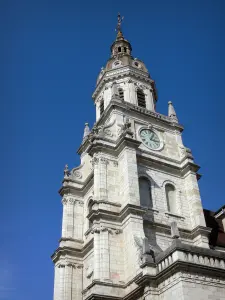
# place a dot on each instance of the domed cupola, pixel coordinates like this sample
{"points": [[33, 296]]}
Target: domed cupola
{"points": [[121, 46], [125, 76]]}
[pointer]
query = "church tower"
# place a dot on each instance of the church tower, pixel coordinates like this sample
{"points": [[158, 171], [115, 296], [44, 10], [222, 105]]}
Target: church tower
{"points": [[133, 225]]}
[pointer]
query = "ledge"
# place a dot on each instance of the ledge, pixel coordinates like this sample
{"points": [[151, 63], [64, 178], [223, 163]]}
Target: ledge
{"points": [[149, 209], [169, 214]]}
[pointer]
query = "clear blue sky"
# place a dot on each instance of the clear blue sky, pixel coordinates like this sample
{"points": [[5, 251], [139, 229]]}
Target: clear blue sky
{"points": [[51, 52]]}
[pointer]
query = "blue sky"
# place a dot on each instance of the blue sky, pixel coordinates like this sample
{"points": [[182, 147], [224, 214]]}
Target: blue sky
{"points": [[50, 56]]}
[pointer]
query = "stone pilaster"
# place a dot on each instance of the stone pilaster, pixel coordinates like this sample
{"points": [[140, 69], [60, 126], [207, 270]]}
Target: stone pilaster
{"points": [[61, 282], [64, 218], [194, 200], [131, 93], [104, 254], [103, 177], [68, 281], [57, 283], [100, 177], [107, 96], [129, 188], [96, 254], [72, 223], [149, 100]]}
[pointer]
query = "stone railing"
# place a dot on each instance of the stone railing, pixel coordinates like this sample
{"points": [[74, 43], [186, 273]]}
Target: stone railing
{"points": [[184, 253]]}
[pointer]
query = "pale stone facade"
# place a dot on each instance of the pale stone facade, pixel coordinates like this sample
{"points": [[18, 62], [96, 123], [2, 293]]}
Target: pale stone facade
{"points": [[116, 244]]}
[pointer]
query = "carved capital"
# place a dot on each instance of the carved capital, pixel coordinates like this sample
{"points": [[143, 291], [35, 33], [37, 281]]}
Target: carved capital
{"points": [[103, 160], [115, 163], [72, 201], [64, 201], [95, 230], [95, 161]]}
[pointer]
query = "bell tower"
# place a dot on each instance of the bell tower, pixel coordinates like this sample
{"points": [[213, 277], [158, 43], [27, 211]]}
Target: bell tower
{"points": [[132, 215]]}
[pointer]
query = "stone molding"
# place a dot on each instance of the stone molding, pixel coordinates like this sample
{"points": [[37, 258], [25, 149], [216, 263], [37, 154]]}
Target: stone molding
{"points": [[71, 200], [69, 264], [173, 215], [123, 72], [109, 230]]}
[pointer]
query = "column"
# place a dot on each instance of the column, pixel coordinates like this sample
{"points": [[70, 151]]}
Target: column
{"points": [[107, 96], [132, 93], [96, 254], [61, 282], [97, 110], [95, 163], [100, 177], [129, 187], [194, 200], [77, 282], [68, 282], [70, 217], [149, 100], [126, 92], [78, 220], [57, 283], [71, 282], [103, 178], [64, 218], [104, 254]]}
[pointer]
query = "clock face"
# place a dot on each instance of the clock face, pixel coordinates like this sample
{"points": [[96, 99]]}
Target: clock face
{"points": [[150, 139]]}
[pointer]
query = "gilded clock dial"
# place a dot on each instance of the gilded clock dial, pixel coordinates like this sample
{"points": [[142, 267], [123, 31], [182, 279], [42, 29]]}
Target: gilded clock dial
{"points": [[150, 139]]}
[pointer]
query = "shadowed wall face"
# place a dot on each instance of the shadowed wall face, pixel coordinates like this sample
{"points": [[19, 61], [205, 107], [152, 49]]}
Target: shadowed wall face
{"points": [[145, 192]]}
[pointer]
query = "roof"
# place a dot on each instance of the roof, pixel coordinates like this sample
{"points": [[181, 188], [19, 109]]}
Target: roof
{"points": [[217, 235]]}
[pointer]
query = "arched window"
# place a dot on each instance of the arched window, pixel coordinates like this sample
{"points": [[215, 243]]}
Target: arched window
{"points": [[121, 93], [119, 49], [145, 192], [141, 98], [125, 49], [101, 107], [171, 197], [90, 204]]}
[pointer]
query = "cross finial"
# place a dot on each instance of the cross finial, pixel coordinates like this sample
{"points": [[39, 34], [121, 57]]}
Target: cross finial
{"points": [[119, 22]]}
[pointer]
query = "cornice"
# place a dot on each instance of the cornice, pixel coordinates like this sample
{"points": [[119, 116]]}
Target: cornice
{"points": [[78, 191], [120, 73], [176, 166], [72, 251]]}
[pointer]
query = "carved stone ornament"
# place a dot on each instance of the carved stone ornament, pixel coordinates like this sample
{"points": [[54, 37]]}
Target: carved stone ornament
{"points": [[95, 161], [182, 151], [72, 201], [103, 229], [125, 128], [64, 201], [89, 271], [64, 264], [77, 174], [103, 160], [66, 171]]}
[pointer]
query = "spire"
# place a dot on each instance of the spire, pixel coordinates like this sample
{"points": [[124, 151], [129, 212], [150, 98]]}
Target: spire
{"points": [[86, 131], [171, 112]]}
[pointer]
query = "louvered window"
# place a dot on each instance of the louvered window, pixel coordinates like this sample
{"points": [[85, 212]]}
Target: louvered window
{"points": [[101, 107], [121, 94], [141, 98]]}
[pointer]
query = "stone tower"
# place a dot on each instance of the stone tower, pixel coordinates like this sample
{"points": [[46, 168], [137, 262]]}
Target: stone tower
{"points": [[133, 225]]}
